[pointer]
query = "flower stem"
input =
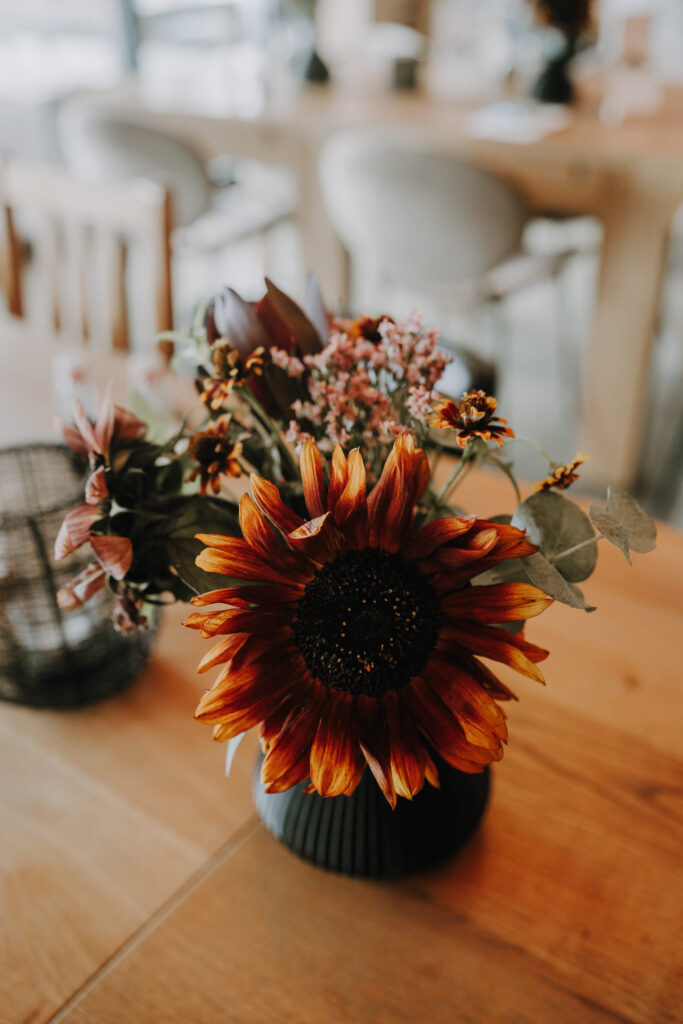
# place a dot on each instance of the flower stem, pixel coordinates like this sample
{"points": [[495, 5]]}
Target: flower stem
{"points": [[575, 547], [279, 445], [464, 463]]}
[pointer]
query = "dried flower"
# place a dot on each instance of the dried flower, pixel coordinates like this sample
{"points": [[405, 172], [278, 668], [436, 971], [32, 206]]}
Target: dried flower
{"points": [[215, 454], [560, 476], [473, 416]]}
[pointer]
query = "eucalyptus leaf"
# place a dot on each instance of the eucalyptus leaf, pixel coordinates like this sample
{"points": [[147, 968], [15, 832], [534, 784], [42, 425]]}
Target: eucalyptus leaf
{"points": [[610, 528], [640, 528], [555, 525], [546, 576]]}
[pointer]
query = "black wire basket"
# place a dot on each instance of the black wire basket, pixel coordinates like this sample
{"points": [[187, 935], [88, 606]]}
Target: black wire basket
{"points": [[49, 657]]}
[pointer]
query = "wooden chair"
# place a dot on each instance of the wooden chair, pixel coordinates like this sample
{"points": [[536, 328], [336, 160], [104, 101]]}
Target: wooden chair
{"points": [[80, 236]]}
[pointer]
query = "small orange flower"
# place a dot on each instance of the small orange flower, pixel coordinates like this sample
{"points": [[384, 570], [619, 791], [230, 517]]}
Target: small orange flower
{"points": [[356, 642], [472, 417], [215, 454], [231, 371], [562, 476]]}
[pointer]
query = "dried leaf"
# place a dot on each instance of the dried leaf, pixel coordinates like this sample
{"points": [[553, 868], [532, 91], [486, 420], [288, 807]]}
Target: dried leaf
{"points": [[556, 524], [610, 528], [640, 528], [547, 577]]}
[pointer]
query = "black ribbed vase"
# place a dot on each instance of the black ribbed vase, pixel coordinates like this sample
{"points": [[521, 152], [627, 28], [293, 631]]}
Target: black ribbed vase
{"points": [[360, 834]]}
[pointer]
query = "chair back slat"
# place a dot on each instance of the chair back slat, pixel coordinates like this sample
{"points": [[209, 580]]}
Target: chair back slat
{"points": [[82, 235]]}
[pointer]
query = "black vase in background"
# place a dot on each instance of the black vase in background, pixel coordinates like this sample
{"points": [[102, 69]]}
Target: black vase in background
{"points": [[360, 835], [554, 84]]}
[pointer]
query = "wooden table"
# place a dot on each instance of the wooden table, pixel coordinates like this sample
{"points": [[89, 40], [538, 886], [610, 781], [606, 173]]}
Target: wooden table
{"points": [[137, 884], [630, 176]]}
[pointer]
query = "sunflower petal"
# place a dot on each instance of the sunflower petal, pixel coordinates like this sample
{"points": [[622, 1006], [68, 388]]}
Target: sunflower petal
{"points": [[223, 651], [437, 533], [288, 757], [336, 761], [267, 497], [242, 698], [496, 644], [241, 562], [311, 467], [338, 476], [318, 539], [251, 593], [504, 602], [374, 741], [442, 729]]}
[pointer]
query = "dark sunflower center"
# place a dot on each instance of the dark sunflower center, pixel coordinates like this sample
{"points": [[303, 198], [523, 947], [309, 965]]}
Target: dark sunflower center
{"points": [[367, 623]]}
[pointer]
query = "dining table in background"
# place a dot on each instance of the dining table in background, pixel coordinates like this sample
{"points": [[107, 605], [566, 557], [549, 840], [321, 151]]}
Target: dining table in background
{"points": [[628, 175], [138, 885]]}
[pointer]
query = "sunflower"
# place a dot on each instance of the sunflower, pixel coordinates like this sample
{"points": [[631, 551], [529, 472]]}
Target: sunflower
{"points": [[356, 641], [473, 416]]}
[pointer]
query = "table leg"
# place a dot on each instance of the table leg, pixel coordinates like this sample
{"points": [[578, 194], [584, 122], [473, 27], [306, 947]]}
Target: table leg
{"points": [[636, 225], [323, 252]]}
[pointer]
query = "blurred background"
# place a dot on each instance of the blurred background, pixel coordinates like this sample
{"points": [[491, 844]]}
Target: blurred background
{"points": [[511, 169]]}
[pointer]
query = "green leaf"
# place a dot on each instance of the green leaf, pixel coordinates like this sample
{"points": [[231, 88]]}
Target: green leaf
{"points": [[556, 524], [546, 576], [189, 516], [610, 528], [640, 528]]}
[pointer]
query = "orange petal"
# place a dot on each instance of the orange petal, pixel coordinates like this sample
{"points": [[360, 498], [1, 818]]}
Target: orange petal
{"points": [[251, 593], [311, 467], [336, 761], [288, 760], [318, 539], [504, 602], [481, 719], [256, 531], [267, 497], [223, 651], [408, 755], [338, 476], [353, 494], [434, 535], [244, 697], [242, 563], [374, 742], [442, 729], [496, 644]]}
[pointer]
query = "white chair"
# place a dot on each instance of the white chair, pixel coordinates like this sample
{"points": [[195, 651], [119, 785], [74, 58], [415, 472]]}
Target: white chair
{"points": [[416, 217], [97, 144]]}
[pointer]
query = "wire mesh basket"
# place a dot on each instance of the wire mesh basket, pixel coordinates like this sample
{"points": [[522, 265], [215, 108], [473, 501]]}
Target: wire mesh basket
{"points": [[49, 657]]}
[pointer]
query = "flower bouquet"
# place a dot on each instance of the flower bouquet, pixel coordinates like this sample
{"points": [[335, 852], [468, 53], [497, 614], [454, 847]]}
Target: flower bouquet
{"points": [[356, 610]]}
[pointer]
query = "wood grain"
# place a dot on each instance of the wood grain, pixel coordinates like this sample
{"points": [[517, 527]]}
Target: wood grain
{"points": [[566, 907], [104, 812]]}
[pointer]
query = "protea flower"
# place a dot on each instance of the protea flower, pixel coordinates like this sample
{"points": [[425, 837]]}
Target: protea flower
{"points": [[354, 641]]}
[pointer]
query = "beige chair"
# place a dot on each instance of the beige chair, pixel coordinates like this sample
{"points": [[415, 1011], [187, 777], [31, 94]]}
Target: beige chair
{"points": [[76, 237], [410, 215]]}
